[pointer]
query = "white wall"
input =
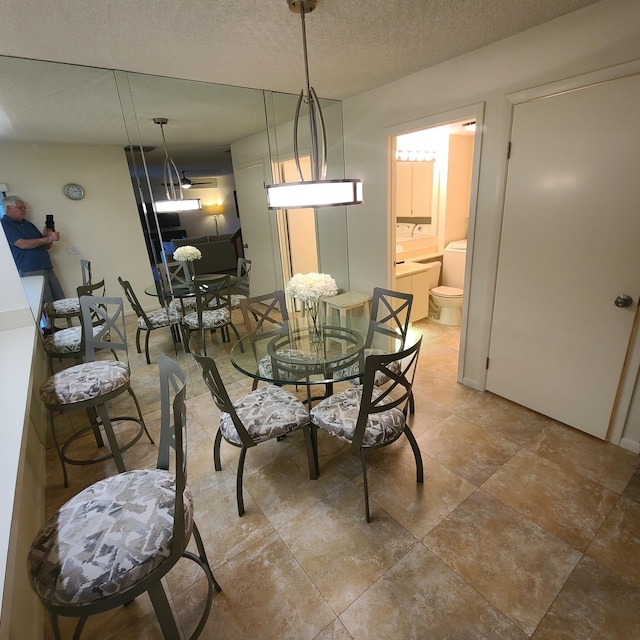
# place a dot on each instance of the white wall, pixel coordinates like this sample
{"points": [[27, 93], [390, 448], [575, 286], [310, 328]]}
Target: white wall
{"points": [[105, 225], [599, 36]]}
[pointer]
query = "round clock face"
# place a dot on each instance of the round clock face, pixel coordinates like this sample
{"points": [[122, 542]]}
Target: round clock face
{"points": [[73, 191]]}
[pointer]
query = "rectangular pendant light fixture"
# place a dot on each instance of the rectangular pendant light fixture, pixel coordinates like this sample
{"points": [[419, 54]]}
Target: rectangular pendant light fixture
{"points": [[176, 206], [313, 194]]}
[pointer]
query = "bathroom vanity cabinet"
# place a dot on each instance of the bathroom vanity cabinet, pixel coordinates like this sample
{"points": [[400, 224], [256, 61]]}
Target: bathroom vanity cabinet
{"points": [[415, 278]]}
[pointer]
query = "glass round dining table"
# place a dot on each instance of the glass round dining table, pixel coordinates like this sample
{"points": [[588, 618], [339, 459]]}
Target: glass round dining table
{"points": [[296, 354]]}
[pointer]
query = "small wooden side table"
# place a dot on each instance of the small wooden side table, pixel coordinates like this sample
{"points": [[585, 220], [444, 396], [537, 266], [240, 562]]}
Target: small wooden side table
{"points": [[344, 302]]}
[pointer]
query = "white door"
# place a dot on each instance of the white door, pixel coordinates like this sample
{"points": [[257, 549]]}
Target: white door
{"points": [[570, 246], [258, 229]]}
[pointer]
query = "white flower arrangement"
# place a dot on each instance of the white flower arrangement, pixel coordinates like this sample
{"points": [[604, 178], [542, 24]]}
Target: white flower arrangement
{"points": [[187, 253], [309, 287]]}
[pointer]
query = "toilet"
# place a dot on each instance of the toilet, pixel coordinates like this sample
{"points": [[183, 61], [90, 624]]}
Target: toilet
{"points": [[445, 301]]}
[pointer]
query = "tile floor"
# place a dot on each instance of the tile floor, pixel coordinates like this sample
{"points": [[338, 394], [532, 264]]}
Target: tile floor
{"points": [[523, 527]]}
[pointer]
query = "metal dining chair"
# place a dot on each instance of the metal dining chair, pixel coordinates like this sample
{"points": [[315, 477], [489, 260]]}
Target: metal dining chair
{"points": [[118, 538], [370, 416], [68, 308], [263, 414]]}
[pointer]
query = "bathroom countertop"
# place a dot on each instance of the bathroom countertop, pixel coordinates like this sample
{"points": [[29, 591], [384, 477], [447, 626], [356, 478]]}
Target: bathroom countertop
{"points": [[410, 268]]}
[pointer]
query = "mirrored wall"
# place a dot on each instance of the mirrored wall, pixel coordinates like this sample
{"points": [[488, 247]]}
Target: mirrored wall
{"points": [[62, 124]]}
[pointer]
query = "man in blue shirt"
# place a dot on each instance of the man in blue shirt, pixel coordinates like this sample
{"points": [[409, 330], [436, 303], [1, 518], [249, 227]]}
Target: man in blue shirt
{"points": [[30, 248]]}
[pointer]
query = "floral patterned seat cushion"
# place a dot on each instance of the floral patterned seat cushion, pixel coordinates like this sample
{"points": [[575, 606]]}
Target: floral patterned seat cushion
{"points": [[183, 304], [107, 538], [84, 382], [160, 318], [66, 340], [63, 307], [210, 319], [338, 413], [266, 413], [288, 371], [235, 300]]}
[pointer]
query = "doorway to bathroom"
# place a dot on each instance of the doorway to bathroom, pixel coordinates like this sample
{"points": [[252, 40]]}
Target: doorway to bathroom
{"points": [[433, 176]]}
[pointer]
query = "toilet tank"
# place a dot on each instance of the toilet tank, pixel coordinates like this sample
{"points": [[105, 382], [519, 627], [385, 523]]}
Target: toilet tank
{"points": [[453, 262]]}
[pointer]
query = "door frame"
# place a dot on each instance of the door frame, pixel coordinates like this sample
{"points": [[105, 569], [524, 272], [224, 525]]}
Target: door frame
{"points": [[473, 111], [622, 429]]}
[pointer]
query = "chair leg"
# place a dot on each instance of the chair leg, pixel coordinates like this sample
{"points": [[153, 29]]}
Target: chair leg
{"points": [[416, 454], [57, 446], [312, 456], [111, 437], [138, 340], [366, 485], [216, 451], [142, 422], [243, 455], [163, 611], [146, 346]]}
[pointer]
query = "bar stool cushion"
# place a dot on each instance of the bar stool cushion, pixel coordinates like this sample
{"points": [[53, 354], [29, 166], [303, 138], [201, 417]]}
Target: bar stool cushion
{"points": [[66, 340], [84, 382], [107, 538], [235, 300], [179, 305], [338, 414], [266, 413], [63, 307]]}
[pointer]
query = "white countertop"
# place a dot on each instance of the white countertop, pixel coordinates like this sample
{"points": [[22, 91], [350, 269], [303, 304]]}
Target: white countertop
{"points": [[410, 268]]}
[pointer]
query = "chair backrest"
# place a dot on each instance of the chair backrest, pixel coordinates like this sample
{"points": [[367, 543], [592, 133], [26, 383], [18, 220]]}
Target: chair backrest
{"points": [[173, 436], [133, 301], [212, 292], [243, 276], [266, 312], [395, 393], [211, 376], [108, 313], [391, 313], [85, 267]]}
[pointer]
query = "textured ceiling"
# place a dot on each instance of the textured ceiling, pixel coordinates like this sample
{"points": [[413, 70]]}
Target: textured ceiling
{"points": [[354, 45]]}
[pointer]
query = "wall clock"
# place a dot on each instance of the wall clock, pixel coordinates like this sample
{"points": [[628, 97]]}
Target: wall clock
{"points": [[73, 191]]}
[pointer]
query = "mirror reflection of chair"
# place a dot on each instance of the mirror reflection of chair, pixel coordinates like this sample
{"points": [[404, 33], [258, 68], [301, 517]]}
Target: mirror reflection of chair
{"points": [[68, 308], [148, 321], [241, 285], [262, 414], [213, 308], [264, 316], [69, 342], [369, 416], [143, 520], [91, 385]]}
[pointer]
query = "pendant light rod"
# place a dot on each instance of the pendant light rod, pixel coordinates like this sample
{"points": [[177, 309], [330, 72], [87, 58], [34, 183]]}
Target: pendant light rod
{"points": [[169, 169]]}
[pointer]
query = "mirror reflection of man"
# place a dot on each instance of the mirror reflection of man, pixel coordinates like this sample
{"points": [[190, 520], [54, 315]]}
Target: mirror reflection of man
{"points": [[30, 248]]}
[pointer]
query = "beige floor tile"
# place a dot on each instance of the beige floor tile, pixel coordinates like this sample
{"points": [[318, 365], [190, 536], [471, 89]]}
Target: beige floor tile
{"points": [[468, 450], [599, 461], [561, 501], [595, 603], [334, 631], [507, 419], [515, 564], [266, 595], [417, 507], [632, 490], [617, 544], [342, 553], [421, 597]]}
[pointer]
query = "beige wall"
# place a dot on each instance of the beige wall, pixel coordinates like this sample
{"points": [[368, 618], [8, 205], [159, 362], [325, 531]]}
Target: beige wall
{"points": [[602, 35], [105, 225]]}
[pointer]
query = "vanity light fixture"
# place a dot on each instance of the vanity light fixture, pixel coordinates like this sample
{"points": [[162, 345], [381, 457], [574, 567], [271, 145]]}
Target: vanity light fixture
{"points": [[317, 192], [469, 126]]}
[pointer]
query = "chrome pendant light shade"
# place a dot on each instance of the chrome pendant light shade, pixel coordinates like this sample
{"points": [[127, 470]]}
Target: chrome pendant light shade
{"points": [[317, 192]]}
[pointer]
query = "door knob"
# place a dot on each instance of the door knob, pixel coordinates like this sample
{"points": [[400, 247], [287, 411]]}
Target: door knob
{"points": [[624, 300], [245, 246]]}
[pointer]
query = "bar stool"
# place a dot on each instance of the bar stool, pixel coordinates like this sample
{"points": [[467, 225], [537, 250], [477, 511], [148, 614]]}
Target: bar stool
{"points": [[91, 385], [69, 308]]}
